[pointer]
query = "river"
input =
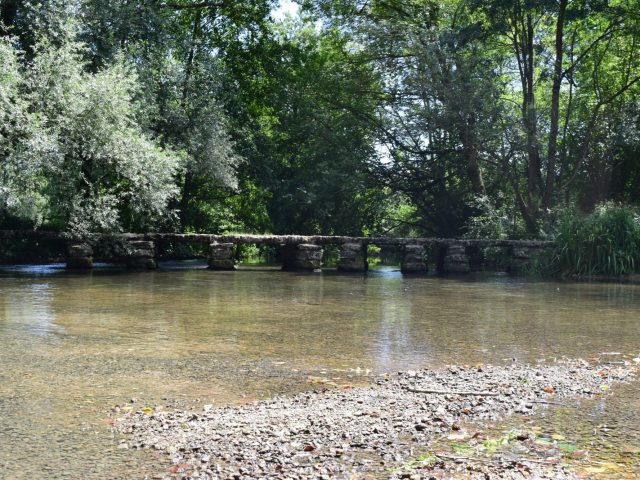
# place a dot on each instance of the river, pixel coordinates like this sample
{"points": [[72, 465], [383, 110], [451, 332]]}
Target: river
{"points": [[74, 345]]}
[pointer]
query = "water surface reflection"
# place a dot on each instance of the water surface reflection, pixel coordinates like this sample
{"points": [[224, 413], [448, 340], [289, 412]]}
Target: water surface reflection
{"points": [[72, 345]]}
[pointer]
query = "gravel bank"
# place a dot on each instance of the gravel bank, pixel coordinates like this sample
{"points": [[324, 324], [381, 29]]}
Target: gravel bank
{"points": [[382, 431]]}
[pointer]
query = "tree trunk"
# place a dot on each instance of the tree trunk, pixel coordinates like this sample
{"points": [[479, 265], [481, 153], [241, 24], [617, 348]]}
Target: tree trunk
{"points": [[552, 150], [187, 189], [470, 148], [533, 151], [529, 218], [188, 185], [191, 55]]}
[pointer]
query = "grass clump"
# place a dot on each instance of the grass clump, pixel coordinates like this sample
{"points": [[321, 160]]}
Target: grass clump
{"points": [[605, 242]]}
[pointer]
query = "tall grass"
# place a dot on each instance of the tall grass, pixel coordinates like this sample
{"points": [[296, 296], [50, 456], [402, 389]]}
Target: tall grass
{"points": [[606, 242]]}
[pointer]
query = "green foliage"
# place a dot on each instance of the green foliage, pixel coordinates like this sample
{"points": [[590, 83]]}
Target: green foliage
{"points": [[24, 144], [308, 153], [373, 255], [607, 242], [255, 254], [400, 219], [97, 166], [536, 101], [543, 265], [492, 221], [109, 174], [79, 158], [480, 118]]}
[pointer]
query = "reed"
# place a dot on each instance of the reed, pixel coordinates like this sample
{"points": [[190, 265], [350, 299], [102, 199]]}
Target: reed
{"points": [[605, 242]]}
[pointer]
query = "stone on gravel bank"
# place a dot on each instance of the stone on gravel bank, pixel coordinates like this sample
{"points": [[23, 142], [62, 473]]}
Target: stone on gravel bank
{"points": [[370, 432]]}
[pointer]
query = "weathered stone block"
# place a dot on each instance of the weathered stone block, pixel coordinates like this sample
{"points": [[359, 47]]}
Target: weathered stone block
{"points": [[141, 248], [353, 258], [80, 256], [304, 256], [520, 257], [221, 257], [456, 260], [414, 259], [140, 255], [80, 250]]}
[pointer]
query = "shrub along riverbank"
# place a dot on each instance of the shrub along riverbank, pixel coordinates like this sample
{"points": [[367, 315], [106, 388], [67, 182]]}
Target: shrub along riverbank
{"points": [[605, 243]]}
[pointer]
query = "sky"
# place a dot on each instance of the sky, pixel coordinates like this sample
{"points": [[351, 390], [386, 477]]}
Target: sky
{"points": [[286, 7]]}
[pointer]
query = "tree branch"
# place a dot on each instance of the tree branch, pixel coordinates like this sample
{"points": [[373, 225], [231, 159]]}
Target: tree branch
{"points": [[452, 392], [591, 46], [206, 4]]}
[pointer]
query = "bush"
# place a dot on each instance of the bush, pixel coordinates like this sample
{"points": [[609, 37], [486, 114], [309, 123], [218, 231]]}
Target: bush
{"points": [[606, 242], [73, 151]]}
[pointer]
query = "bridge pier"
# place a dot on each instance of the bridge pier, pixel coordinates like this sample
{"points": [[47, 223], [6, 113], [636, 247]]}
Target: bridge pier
{"points": [[353, 257], [456, 259], [477, 260], [221, 257], [141, 255], [79, 256], [414, 259], [301, 257], [305, 251], [520, 258]]}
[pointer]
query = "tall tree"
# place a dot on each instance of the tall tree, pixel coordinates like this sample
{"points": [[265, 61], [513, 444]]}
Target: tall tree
{"points": [[309, 151], [74, 154], [181, 49], [562, 50], [437, 114]]}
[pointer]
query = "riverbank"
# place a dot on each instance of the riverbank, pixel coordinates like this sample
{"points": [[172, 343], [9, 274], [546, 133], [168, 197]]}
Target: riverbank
{"points": [[392, 429]]}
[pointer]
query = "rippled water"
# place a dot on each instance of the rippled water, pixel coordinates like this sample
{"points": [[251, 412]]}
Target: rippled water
{"points": [[74, 345]]}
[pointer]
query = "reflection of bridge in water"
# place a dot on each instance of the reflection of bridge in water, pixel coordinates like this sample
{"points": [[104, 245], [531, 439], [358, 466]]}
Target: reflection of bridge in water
{"points": [[298, 252]]}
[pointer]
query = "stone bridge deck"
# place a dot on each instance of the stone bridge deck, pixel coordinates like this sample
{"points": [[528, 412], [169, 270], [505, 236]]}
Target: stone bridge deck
{"points": [[298, 252]]}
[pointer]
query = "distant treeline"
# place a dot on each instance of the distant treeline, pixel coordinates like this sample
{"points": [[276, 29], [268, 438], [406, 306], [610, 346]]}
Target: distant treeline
{"points": [[457, 117]]}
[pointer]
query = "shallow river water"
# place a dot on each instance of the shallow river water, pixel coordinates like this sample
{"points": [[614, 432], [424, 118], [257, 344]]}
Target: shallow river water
{"points": [[74, 345]]}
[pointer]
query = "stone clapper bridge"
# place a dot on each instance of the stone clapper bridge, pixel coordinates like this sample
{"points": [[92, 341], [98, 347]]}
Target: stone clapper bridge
{"points": [[302, 253]]}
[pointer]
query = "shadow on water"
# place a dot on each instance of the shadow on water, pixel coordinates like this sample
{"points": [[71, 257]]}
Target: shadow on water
{"points": [[73, 344]]}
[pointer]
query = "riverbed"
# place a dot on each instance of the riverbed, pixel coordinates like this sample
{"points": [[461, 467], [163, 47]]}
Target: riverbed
{"points": [[74, 345]]}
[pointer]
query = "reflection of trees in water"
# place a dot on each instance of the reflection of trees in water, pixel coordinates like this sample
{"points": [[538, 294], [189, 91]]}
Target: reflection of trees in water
{"points": [[380, 320], [394, 345]]}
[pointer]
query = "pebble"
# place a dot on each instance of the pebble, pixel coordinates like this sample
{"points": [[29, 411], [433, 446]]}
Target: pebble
{"points": [[334, 434]]}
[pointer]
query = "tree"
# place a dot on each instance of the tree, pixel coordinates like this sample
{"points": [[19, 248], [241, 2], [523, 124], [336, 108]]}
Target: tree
{"points": [[580, 56], [437, 111], [309, 152], [24, 144], [93, 168], [497, 97], [181, 49]]}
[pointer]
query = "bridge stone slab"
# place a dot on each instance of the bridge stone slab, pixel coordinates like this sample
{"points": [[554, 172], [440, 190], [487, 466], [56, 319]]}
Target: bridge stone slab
{"points": [[353, 257], [353, 249], [414, 259], [301, 257], [79, 256], [221, 256], [456, 259], [141, 255]]}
